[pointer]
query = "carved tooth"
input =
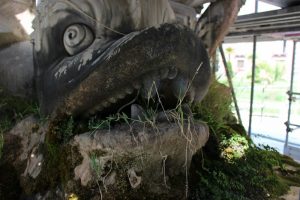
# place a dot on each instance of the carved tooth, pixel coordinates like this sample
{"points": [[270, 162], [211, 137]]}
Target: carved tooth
{"points": [[99, 108], [156, 78], [164, 73], [155, 75], [180, 86], [112, 100], [129, 90], [105, 104], [191, 94], [121, 96], [137, 85], [200, 92], [92, 112], [172, 73]]}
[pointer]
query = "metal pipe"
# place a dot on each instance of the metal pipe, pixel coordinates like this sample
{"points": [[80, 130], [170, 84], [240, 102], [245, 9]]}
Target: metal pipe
{"points": [[261, 27], [285, 12], [256, 6], [271, 22], [252, 77], [288, 129], [296, 125], [295, 93], [252, 85], [230, 84]]}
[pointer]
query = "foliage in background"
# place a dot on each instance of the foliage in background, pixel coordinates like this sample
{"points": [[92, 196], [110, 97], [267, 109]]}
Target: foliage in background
{"points": [[279, 71], [216, 108], [230, 70], [265, 73], [230, 166], [229, 52]]}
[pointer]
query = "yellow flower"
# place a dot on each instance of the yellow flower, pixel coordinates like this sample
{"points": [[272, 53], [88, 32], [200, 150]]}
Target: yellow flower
{"points": [[73, 197]]}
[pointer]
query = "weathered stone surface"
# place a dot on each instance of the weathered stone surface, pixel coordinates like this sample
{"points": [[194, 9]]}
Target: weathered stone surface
{"points": [[293, 194], [90, 79], [16, 69], [21, 156], [11, 8], [129, 161], [11, 30], [157, 156]]}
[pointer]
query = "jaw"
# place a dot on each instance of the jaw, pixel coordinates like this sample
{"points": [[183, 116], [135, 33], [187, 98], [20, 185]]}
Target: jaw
{"points": [[170, 59]]}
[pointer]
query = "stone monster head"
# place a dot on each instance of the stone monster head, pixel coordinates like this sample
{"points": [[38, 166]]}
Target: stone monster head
{"points": [[91, 54]]}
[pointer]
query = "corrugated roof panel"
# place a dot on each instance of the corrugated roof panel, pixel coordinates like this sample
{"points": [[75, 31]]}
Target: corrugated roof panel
{"points": [[282, 3]]}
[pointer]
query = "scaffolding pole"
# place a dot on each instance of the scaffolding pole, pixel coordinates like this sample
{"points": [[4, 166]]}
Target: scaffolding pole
{"points": [[229, 78], [252, 77], [252, 85], [290, 93]]}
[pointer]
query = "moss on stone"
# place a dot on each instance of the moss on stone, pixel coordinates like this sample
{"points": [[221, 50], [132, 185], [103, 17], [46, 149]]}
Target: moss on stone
{"points": [[13, 109], [246, 172], [60, 159], [9, 173], [252, 173]]}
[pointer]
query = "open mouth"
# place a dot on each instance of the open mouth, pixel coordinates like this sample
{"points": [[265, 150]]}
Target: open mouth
{"points": [[166, 87], [168, 63]]}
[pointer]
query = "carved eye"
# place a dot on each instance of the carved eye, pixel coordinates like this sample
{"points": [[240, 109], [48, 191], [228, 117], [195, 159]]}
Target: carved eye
{"points": [[77, 37]]}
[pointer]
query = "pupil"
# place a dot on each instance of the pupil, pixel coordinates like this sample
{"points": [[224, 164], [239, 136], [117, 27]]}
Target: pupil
{"points": [[71, 35]]}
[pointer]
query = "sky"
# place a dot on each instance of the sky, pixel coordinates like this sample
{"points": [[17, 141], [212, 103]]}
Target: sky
{"points": [[249, 7]]}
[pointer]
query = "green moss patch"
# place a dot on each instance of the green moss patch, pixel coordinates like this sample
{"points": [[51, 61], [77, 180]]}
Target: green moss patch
{"points": [[13, 109], [230, 166]]}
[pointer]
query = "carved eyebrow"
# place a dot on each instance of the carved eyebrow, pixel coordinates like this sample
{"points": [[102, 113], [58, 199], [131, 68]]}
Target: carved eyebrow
{"points": [[78, 9]]}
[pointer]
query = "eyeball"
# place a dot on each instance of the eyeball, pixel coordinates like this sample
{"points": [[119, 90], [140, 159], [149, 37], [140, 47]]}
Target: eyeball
{"points": [[77, 37]]}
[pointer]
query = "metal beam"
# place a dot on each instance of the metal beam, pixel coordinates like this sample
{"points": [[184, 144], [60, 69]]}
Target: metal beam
{"points": [[282, 3], [290, 93], [276, 21]]}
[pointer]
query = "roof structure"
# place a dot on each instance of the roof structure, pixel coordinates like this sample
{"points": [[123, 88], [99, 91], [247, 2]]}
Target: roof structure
{"points": [[278, 24], [282, 3]]}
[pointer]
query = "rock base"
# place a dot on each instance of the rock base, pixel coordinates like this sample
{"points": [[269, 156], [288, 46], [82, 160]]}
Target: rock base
{"points": [[129, 161]]}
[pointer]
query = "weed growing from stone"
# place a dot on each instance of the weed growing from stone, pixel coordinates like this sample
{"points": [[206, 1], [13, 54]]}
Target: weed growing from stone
{"points": [[98, 170], [231, 167]]}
